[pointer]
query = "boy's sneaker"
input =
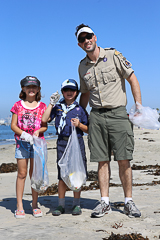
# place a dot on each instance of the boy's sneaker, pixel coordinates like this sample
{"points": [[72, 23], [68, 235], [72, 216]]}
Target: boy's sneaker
{"points": [[131, 210], [101, 209], [58, 211], [76, 210]]}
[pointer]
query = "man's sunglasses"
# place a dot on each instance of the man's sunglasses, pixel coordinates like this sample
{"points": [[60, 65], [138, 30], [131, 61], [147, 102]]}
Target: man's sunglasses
{"points": [[68, 89], [88, 36]]}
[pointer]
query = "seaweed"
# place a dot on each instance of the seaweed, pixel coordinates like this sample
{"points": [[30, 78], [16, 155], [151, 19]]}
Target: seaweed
{"points": [[132, 236], [8, 167]]}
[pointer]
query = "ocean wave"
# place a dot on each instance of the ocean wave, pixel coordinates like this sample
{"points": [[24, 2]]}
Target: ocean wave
{"points": [[12, 141]]}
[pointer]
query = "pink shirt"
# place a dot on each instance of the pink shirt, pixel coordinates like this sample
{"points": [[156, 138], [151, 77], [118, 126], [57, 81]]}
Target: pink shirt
{"points": [[29, 119]]}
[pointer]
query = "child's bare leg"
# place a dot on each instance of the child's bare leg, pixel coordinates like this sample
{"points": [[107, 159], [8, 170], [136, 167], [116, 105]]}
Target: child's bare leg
{"points": [[77, 194], [34, 193], [76, 200], [21, 177], [61, 193], [61, 189], [34, 199]]}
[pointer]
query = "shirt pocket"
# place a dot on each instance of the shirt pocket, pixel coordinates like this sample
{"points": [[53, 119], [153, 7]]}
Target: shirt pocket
{"points": [[89, 81], [75, 115], [108, 74]]}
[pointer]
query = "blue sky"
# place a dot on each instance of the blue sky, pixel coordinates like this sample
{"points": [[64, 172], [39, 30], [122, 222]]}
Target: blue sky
{"points": [[37, 38]]}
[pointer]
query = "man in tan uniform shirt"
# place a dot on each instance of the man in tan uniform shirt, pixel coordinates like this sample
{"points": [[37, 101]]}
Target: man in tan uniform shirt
{"points": [[102, 83]]}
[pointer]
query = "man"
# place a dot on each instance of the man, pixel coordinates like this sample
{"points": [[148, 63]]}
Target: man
{"points": [[102, 83]]}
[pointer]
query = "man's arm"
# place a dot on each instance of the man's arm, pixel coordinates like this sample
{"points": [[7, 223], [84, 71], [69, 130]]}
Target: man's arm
{"points": [[84, 99], [135, 88]]}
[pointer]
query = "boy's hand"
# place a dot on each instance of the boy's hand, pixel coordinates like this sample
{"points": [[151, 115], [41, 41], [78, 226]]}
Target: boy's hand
{"points": [[75, 122], [54, 98], [27, 137]]}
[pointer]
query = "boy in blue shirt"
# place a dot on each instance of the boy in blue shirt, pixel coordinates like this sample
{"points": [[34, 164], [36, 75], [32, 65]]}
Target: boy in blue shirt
{"points": [[67, 112]]}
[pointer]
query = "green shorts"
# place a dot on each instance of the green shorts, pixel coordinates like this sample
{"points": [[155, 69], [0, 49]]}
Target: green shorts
{"points": [[110, 130]]}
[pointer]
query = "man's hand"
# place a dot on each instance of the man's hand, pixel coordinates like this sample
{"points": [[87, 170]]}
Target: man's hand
{"points": [[54, 98], [138, 110], [27, 137]]}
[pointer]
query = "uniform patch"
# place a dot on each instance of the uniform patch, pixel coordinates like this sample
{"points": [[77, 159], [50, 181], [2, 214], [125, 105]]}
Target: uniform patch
{"points": [[104, 59], [123, 59], [128, 64]]}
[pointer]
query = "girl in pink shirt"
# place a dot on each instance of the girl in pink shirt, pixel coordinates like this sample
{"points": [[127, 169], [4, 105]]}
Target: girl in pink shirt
{"points": [[26, 122]]}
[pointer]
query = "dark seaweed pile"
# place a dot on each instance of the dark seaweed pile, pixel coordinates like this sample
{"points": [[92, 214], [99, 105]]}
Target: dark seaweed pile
{"points": [[8, 167], [131, 236]]}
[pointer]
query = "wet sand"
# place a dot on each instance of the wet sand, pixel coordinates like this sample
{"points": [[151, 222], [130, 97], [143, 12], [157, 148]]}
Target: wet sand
{"points": [[146, 195]]}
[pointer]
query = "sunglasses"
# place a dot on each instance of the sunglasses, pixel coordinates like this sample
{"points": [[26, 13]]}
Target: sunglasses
{"points": [[88, 36], [68, 89]]}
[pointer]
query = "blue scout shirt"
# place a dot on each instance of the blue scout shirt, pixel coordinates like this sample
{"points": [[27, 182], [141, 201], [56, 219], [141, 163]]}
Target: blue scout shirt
{"points": [[77, 112]]}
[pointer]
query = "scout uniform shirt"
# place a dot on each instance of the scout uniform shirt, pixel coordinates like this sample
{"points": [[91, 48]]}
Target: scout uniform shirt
{"points": [[77, 112], [105, 79]]}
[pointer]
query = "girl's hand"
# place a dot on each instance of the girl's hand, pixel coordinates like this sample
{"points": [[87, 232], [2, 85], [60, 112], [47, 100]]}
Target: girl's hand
{"points": [[27, 137], [75, 122], [36, 133]]}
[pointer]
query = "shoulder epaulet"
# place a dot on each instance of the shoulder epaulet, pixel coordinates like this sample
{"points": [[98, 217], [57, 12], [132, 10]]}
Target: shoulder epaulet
{"points": [[109, 48]]}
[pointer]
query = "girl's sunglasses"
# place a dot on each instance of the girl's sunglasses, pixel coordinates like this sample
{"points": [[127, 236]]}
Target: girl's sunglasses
{"points": [[88, 36]]}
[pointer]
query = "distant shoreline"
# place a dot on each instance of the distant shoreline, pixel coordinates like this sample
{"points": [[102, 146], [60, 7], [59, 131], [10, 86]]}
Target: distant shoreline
{"points": [[13, 142]]}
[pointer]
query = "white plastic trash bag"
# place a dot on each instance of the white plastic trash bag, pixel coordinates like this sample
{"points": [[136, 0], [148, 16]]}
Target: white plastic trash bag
{"points": [[71, 164], [40, 180], [144, 117]]}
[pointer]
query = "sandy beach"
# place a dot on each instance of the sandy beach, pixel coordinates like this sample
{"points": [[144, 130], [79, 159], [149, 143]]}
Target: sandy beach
{"points": [[146, 195]]}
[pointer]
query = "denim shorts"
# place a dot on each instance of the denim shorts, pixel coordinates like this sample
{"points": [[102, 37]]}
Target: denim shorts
{"points": [[24, 150], [61, 145]]}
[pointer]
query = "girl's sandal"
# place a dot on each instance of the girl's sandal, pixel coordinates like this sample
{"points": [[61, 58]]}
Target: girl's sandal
{"points": [[19, 214], [37, 212]]}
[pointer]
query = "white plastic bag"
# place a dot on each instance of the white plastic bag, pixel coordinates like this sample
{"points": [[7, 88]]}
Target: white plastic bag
{"points": [[40, 180], [71, 164], [144, 117]]}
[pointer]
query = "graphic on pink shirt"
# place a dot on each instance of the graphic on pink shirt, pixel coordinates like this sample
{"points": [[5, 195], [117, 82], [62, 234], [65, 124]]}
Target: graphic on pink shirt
{"points": [[29, 120]]}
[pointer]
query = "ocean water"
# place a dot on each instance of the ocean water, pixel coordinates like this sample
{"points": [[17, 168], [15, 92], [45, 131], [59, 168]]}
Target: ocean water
{"points": [[7, 135]]}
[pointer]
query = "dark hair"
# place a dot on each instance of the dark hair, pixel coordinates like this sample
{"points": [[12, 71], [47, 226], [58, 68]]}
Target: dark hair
{"points": [[79, 27], [22, 95]]}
